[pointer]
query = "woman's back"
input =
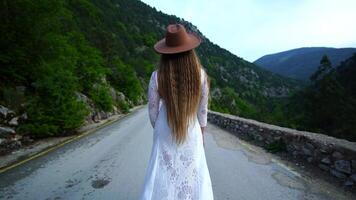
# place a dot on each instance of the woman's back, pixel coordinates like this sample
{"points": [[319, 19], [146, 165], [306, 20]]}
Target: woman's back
{"points": [[176, 172], [155, 101], [178, 92]]}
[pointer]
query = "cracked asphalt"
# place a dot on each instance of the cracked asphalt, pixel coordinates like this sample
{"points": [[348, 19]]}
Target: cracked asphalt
{"points": [[111, 163]]}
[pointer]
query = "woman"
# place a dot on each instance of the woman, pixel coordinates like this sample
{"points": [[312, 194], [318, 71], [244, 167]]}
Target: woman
{"points": [[178, 103]]}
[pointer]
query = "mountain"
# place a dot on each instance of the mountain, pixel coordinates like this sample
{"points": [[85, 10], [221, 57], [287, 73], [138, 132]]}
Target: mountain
{"points": [[302, 62], [238, 86], [56, 51]]}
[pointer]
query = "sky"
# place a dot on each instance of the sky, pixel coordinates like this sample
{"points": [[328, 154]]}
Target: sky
{"points": [[253, 28]]}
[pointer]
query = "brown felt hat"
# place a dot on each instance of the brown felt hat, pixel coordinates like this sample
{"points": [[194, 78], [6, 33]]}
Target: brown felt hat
{"points": [[177, 40]]}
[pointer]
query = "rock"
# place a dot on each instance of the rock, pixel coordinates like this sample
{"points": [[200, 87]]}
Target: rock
{"points": [[259, 138], [88, 120], [96, 117], [6, 113], [10, 145], [309, 146], [324, 167], [114, 108], [23, 117], [337, 174], [14, 144], [3, 112], [17, 137], [353, 165], [103, 115], [120, 96], [277, 137], [296, 146], [326, 160], [325, 149], [348, 183], [337, 155], [269, 138], [6, 132], [26, 140], [317, 154], [113, 93], [307, 151], [14, 121], [290, 148], [353, 177], [343, 166], [81, 97]]}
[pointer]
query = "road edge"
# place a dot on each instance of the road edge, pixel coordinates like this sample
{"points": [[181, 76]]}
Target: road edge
{"points": [[21, 159]]}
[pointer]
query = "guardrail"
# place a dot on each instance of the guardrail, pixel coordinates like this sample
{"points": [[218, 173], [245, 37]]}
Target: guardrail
{"points": [[337, 156]]}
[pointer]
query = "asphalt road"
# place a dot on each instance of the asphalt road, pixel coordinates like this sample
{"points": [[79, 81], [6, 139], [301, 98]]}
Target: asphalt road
{"points": [[111, 164]]}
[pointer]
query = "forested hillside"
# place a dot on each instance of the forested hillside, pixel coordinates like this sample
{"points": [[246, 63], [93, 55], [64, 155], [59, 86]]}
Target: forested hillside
{"points": [[54, 54], [328, 103], [301, 63]]}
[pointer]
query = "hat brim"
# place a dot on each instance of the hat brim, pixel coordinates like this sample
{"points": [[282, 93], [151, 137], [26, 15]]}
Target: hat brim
{"points": [[192, 42]]}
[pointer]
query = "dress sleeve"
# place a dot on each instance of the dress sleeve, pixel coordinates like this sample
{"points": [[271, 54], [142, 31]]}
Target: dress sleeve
{"points": [[203, 105], [153, 99]]}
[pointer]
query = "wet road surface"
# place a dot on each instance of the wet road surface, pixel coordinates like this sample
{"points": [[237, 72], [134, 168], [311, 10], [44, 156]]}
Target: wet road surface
{"points": [[111, 164]]}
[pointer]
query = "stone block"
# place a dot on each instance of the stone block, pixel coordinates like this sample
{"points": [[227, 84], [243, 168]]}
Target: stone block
{"points": [[290, 148], [337, 155], [337, 174], [325, 149], [353, 177], [277, 137], [309, 145], [324, 167], [317, 154], [14, 121], [310, 159], [343, 166], [348, 183], [6, 132], [307, 151], [259, 138], [353, 165], [326, 160], [295, 154]]}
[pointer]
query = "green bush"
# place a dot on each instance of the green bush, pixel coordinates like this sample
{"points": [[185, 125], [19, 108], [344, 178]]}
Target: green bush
{"points": [[54, 110], [123, 78], [230, 102], [100, 94], [124, 107]]}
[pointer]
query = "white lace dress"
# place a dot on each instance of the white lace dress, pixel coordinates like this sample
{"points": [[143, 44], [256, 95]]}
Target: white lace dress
{"points": [[176, 172]]}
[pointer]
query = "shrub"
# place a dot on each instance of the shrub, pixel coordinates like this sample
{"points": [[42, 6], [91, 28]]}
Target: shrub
{"points": [[54, 110], [100, 94]]}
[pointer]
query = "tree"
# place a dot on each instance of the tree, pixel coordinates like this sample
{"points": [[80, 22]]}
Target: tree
{"points": [[323, 69]]}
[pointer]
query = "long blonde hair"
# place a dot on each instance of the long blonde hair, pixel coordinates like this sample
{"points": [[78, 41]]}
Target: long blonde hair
{"points": [[179, 86]]}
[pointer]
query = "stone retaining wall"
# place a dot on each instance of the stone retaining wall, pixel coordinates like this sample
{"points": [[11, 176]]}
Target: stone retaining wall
{"points": [[337, 156]]}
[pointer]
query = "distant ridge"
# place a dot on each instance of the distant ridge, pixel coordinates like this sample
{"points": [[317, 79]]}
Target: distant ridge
{"points": [[302, 62]]}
